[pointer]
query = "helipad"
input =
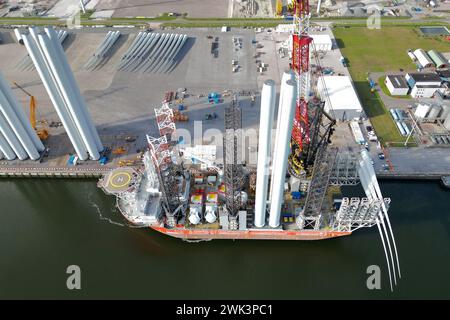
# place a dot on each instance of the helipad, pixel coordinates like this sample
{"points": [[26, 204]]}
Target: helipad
{"points": [[120, 180]]}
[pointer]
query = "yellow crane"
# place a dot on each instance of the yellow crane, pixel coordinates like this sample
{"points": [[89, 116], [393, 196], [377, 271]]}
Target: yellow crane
{"points": [[41, 132], [279, 8]]}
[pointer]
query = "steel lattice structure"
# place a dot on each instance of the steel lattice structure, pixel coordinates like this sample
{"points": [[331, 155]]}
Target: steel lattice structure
{"points": [[312, 126], [300, 64], [168, 171], [314, 205], [232, 157], [164, 119]]}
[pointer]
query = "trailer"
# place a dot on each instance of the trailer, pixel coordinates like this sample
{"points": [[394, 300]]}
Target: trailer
{"points": [[357, 133]]}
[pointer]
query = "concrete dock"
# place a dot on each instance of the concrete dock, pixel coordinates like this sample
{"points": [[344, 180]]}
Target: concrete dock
{"points": [[121, 103]]}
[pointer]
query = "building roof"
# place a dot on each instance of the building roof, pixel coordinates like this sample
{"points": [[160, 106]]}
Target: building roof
{"points": [[444, 74], [438, 59], [423, 58], [424, 86], [425, 77], [398, 81], [321, 39], [341, 93]]}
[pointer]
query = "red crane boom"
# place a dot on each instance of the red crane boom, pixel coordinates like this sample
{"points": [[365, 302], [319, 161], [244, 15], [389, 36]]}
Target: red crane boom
{"points": [[300, 64]]}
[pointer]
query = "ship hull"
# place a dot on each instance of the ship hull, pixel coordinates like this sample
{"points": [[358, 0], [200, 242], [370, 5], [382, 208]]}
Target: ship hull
{"points": [[209, 234]]}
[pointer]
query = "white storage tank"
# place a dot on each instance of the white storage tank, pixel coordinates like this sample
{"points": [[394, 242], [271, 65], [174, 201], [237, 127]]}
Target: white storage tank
{"points": [[400, 128], [412, 56], [194, 214], [445, 112], [405, 127], [434, 112], [421, 111], [18, 36], [211, 215], [394, 114], [423, 58], [447, 122]]}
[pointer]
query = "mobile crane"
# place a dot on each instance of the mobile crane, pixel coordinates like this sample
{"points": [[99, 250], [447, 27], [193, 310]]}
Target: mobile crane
{"points": [[41, 132]]}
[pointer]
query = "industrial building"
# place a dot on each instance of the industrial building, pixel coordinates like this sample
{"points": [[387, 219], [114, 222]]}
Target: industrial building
{"points": [[431, 113], [322, 42], [423, 85], [438, 59], [340, 97], [423, 59], [397, 85], [444, 75]]}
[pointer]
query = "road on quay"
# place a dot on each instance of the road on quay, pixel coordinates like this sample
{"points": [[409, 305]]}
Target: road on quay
{"points": [[186, 22], [417, 161]]}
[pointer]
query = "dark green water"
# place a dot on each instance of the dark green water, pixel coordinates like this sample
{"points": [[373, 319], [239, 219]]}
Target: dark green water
{"points": [[47, 225]]}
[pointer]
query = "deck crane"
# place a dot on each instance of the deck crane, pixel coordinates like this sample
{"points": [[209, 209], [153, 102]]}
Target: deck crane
{"points": [[311, 133], [312, 126], [301, 42], [42, 132]]}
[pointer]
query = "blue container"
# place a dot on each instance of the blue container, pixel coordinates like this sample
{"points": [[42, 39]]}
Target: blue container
{"points": [[71, 158], [103, 160], [180, 107], [296, 195]]}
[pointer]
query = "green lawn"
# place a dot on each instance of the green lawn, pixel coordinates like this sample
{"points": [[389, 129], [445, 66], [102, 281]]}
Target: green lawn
{"points": [[380, 51]]}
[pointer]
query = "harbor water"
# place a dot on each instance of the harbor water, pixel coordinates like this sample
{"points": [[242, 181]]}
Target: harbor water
{"points": [[48, 225]]}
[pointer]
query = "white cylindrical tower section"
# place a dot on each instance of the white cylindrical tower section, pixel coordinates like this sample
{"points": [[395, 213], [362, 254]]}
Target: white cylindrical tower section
{"points": [[10, 136], [287, 75], [17, 108], [73, 84], [17, 128], [5, 148], [18, 36], [54, 94], [265, 133], [68, 94], [281, 155]]}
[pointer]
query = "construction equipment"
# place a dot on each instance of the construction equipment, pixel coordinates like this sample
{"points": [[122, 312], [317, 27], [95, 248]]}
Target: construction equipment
{"points": [[210, 116], [43, 131], [123, 163], [119, 150], [178, 116], [279, 8]]}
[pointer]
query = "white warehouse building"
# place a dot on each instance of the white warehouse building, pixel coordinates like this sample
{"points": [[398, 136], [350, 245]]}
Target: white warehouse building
{"points": [[424, 85], [397, 85], [423, 58], [322, 42], [342, 96]]}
